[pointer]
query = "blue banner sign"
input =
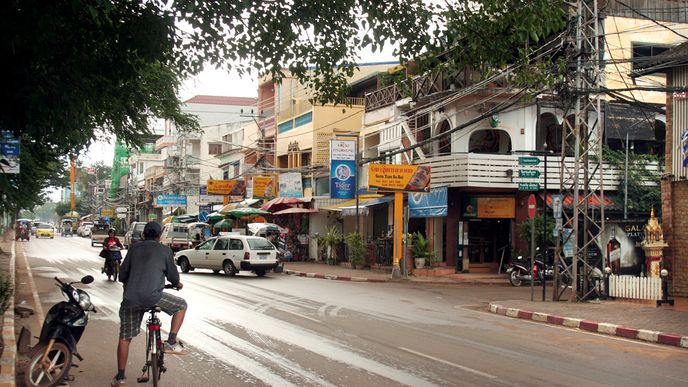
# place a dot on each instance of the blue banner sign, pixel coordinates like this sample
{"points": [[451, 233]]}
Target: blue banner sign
{"points": [[342, 169], [428, 205], [171, 200]]}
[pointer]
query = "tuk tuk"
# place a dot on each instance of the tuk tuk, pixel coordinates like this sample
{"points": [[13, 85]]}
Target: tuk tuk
{"points": [[197, 233], [67, 228], [22, 230]]}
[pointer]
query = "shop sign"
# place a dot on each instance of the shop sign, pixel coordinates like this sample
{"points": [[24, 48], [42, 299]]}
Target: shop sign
{"points": [[428, 205], [568, 240], [10, 147], [528, 186], [207, 199], [558, 225], [290, 185], [392, 177], [557, 203], [170, 200], [226, 187], [107, 212], [264, 187], [495, 207], [152, 217], [342, 169], [528, 173], [120, 210]]}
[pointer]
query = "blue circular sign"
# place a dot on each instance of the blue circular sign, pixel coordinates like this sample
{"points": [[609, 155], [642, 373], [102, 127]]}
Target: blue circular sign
{"points": [[203, 216]]}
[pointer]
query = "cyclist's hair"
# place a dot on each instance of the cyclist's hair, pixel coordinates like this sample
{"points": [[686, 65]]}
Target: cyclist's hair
{"points": [[152, 230]]}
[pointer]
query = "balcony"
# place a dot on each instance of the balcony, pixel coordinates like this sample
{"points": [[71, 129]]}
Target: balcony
{"points": [[165, 141], [502, 171]]}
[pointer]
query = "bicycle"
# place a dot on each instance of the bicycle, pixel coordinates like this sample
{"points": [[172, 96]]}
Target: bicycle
{"points": [[155, 354]]}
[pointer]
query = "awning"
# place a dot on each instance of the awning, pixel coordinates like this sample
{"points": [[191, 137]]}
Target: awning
{"points": [[348, 208], [625, 119], [241, 204], [592, 202], [296, 210]]}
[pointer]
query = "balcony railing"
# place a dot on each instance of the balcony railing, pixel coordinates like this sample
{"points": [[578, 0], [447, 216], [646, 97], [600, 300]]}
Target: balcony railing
{"points": [[165, 141], [502, 171], [382, 97]]}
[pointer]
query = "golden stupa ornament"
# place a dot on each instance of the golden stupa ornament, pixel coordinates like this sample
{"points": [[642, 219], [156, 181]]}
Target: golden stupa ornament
{"points": [[653, 230], [653, 245]]}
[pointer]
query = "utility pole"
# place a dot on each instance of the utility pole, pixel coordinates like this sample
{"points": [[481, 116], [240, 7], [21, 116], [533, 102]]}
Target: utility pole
{"points": [[582, 180]]}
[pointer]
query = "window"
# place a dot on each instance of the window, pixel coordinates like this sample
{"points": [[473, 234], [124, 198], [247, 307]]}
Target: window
{"points": [[207, 245], [214, 149], [225, 174], [235, 244], [140, 167], [237, 169], [642, 51], [222, 244], [260, 244]]}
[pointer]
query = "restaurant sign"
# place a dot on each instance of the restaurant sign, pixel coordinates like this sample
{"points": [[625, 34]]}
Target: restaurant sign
{"points": [[226, 187], [393, 177]]}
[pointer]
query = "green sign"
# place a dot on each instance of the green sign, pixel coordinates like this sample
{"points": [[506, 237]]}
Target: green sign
{"points": [[152, 216], [528, 160], [529, 173], [528, 186]]}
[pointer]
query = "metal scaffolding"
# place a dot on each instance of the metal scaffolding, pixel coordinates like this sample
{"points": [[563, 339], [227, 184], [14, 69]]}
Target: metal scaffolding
{"points": [[582, 180]]}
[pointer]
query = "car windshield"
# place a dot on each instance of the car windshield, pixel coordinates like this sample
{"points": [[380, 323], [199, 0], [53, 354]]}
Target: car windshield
{"points": [[260, 244], [44, 225]]}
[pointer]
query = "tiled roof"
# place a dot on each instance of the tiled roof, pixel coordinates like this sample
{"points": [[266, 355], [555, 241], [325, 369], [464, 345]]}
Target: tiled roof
{"points": [[674, 57], [222, 100]]}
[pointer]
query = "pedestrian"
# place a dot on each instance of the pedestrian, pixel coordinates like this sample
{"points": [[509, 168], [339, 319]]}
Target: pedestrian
{"points": [[143, 274]]}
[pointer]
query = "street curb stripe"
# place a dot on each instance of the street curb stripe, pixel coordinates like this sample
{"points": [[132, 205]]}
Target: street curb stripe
{"points": [[9, 353], [593, 326], [332, 277]]}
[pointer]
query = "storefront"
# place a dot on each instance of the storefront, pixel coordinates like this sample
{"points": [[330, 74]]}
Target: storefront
{"points": [[487, 228]]}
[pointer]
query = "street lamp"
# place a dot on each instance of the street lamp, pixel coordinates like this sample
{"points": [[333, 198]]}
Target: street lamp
{"points": [[665, 289]]}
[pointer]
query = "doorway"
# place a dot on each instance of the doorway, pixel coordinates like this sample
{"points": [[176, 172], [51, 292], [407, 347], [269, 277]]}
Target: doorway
{"points": [[489, 242]]}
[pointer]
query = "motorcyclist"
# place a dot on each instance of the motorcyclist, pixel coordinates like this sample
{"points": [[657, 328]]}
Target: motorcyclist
{"points": [[110, 252]]}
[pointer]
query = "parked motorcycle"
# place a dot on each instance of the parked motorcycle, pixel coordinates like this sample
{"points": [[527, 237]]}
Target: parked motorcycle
{"points": [[112, 261], [519, 271], [51, 358]]}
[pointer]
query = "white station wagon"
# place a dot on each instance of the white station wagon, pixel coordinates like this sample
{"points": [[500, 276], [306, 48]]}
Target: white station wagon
{"points": [[230, 253]]}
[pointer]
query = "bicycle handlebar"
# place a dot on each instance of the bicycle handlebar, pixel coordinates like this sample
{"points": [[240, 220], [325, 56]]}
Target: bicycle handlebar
{"points": [[170, 286]]}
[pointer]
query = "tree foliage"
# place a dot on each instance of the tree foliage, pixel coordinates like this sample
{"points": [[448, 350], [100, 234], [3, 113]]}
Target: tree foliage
{"points": [[74, 69], [643, 185]]}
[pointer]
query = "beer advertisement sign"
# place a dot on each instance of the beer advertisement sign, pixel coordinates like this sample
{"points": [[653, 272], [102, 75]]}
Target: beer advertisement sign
{"points": [[226, 187], [264, 187], [392, 177]]}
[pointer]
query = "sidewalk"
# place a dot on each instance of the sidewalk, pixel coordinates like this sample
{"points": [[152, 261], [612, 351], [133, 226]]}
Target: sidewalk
{"points": [[640, 320], [9, 344]]}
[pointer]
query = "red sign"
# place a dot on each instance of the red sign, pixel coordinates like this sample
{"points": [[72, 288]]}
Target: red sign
{"points": [[532, 206]]}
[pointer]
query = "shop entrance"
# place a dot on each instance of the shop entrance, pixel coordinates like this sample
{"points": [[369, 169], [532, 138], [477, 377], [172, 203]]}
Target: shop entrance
{"points": [[489, 242]]}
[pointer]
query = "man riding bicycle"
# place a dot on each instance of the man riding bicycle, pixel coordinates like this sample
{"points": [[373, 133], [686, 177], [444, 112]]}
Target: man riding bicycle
{"points": [[143, 274]]}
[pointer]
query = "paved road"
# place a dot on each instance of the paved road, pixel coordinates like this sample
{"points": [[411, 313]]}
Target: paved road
{"points": [[284, 330]]}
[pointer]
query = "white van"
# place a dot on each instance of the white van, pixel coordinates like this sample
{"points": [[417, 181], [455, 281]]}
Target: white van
{"points": [[175, 235]]}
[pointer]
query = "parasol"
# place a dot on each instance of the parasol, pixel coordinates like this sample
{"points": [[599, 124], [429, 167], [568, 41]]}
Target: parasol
{"points": [[169, 219], [246, 211], [296, 210], [244, 203], [224, 224], [71, 214], [282, 200], [256, 228], [215, 216]]}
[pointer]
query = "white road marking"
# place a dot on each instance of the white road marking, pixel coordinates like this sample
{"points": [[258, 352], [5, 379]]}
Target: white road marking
{"points": [[36, 300], [459, 366], [300, 315]]}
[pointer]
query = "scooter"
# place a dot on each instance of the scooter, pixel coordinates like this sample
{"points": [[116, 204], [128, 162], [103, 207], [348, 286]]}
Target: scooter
{"points": [[51, 358], [519, 271], [112, 262]]}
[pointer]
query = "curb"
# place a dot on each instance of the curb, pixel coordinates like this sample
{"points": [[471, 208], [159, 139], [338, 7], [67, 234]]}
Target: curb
{"points": [[593, 326], [9, 352], [332, 277]]}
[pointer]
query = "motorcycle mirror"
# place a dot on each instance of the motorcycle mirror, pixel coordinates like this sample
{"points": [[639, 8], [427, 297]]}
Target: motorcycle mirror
{"points": [[87, 280]]}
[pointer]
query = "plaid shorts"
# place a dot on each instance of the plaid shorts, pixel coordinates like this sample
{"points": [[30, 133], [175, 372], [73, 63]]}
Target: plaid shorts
{"points": [[131, 318]]}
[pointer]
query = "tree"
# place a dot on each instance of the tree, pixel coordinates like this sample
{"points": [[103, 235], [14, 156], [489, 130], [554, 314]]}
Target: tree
{"points": [[643, 184], [76, 70]]}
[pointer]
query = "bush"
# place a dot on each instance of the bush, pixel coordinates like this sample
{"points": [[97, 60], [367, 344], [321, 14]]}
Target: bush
{"points": [[6, 292], [355, 248]]}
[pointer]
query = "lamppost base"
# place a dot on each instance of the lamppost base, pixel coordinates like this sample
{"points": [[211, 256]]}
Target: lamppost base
{"points": [[661, 302], [396, 272]]}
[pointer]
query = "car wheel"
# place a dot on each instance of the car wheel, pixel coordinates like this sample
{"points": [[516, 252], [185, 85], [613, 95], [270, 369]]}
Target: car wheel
{"points": [[260, 273], [229, 268], [92, 244], [184, 264]]}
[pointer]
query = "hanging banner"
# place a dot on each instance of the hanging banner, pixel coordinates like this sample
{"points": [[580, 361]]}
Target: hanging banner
{"points": [[226, 187], [290, 185], [169, 200], [342, 169], [264, 187], [496, 207], [392, 177], [429, 205]]}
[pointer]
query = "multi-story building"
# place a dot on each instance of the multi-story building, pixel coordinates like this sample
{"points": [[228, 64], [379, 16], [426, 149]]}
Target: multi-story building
{"points": [[189, 157], [478, 159]]}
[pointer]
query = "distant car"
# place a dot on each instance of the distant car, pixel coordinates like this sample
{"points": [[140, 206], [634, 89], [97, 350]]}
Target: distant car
{"points": [[82, 227], [135, 234], [34, 227], [45, 230], [99, 233], [230, 253]]}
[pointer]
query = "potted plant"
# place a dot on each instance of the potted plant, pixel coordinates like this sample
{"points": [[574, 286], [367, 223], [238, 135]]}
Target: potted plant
{"points": [[355, 249], [421, 250], [330, 241]]}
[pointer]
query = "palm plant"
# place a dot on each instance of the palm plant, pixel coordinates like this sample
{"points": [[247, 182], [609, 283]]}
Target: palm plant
{"points": [[330, 240], [355, 248]]}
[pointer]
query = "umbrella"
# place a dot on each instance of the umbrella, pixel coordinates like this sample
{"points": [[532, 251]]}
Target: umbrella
{"points": [[281, 200], [224, 224], [296, 210], [169, 219], [71, 214], [246, 211], [215, 216], [256, 228], [231, 206]]}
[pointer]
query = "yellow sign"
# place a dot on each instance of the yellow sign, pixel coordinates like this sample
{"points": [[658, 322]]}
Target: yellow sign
{"points": [[107, 212], [226, 187], [264, 187], [496, 207], [391, 177]]}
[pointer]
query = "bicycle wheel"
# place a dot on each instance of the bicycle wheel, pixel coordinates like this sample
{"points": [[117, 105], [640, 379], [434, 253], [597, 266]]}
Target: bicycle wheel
{"points": [[155, 358]]}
